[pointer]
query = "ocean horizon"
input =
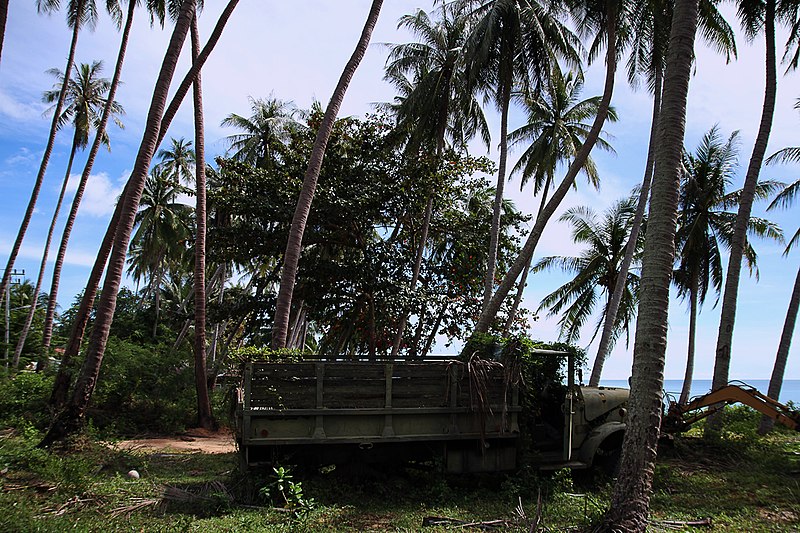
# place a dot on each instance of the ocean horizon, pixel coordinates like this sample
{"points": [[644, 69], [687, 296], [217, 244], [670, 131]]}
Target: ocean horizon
{"points": [[790, 392]]}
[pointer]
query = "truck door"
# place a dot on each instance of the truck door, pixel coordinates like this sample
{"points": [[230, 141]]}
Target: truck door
{"points": [[569, 407]]}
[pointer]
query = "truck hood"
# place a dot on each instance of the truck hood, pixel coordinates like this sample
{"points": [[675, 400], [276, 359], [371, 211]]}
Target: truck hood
{"points": [[598, 401]]}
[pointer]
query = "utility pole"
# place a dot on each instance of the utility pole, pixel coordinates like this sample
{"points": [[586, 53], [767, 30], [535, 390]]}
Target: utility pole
{"points": [[14, 274]]}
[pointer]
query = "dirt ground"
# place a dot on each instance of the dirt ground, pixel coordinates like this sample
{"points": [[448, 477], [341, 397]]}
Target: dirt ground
{"points": [[193, 441]]}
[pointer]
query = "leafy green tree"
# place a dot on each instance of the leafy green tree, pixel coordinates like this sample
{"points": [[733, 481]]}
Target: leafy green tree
{"points": [[86, 96], [20, 300], [555, 129], [100, 136], [596, 270], [606, 23], [704, 223]]}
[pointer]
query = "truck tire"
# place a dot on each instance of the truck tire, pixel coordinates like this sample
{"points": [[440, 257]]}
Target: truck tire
{"points": [[609, 462]]}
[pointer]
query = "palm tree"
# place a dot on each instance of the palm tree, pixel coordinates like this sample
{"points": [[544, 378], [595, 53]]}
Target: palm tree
{"points": [[178, 160], [205, 418], [606, 21], [69, 420], [161, 234], [510, 42], [436, 103], [755, 16], [295, 241], [555, 129], [85, 97], [79, 13], [265, 132], [631, 496], [783, 200], [650, 34], [596, 269], [704, 223], [100, 135]]}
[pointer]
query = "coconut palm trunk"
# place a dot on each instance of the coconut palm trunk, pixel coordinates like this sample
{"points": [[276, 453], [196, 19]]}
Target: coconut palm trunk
{"points": [[295, 242], [686, 389], [87, 170], [51, 139], [631, 497], [630, 248], [64, 376], [205, 418], [3, 19], [71, 418], [188, 79], [494, 231], [23, 336], [512, 314], [776, 381], [219, 327], [728, 314], [493, 307], [62, 382]]}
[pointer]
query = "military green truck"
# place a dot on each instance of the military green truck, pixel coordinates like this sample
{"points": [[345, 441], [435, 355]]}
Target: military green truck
{"points": [[469, 414]]}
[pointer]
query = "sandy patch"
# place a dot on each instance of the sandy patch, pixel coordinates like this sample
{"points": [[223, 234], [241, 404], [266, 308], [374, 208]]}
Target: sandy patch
{"points": [[193, 441]]}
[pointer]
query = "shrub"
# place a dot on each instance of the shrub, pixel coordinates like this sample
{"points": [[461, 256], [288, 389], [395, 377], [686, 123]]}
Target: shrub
{"points": [[23, 399]]}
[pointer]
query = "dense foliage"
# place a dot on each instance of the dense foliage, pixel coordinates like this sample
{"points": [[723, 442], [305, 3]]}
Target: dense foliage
{"points": [[361, 238]]}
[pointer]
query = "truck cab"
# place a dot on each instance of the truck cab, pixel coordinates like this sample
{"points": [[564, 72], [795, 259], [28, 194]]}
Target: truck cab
{"points": [[578, 426]]}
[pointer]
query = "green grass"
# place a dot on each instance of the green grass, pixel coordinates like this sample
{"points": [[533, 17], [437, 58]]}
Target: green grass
{"points": [[744, 483]]}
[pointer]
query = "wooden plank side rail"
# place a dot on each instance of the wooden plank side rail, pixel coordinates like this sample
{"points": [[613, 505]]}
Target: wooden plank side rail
{"points": [[394, 401]]}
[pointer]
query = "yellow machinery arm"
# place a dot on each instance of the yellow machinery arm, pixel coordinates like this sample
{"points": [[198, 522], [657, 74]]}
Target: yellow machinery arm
{"points": [[680, 417]]}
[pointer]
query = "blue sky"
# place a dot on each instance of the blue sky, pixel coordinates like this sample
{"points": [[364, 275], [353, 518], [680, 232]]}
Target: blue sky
{"points": [[295, 50]]}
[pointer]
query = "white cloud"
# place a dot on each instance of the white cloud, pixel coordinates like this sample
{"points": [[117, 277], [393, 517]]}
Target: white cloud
{"points": [[30, 254], [24, 156], [100, 195], [21, 111]]}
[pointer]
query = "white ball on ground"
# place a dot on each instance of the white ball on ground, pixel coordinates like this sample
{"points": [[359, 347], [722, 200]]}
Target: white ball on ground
{"points": [[133, 474]]}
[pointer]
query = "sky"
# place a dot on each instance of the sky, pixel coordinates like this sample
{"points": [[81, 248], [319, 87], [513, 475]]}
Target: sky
{"points": [[295, 51]]}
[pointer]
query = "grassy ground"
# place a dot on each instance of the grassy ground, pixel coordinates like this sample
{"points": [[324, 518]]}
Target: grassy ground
{"points": [[743, 483]]}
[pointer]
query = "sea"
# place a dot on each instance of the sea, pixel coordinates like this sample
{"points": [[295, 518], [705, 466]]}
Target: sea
{"points": [[790, 391]]}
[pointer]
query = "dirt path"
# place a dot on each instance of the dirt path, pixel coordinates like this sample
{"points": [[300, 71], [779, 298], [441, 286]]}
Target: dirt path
{"points": [[192, 441]]}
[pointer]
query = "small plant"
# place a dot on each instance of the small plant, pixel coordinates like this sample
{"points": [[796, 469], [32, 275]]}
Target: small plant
{"points": [[284, 492]]}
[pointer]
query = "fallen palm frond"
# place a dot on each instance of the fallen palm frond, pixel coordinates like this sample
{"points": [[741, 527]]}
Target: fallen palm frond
{"points": [[441, 521], [531, 525], [214, 492], [76, 503], [136, 504], [680, 524]]}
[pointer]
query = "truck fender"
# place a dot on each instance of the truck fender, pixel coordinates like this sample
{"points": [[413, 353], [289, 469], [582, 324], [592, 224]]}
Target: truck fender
{"points": [[610, 433]]}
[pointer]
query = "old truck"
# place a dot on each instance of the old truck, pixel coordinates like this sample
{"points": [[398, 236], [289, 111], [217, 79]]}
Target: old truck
{"points": [[472, 415]]}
